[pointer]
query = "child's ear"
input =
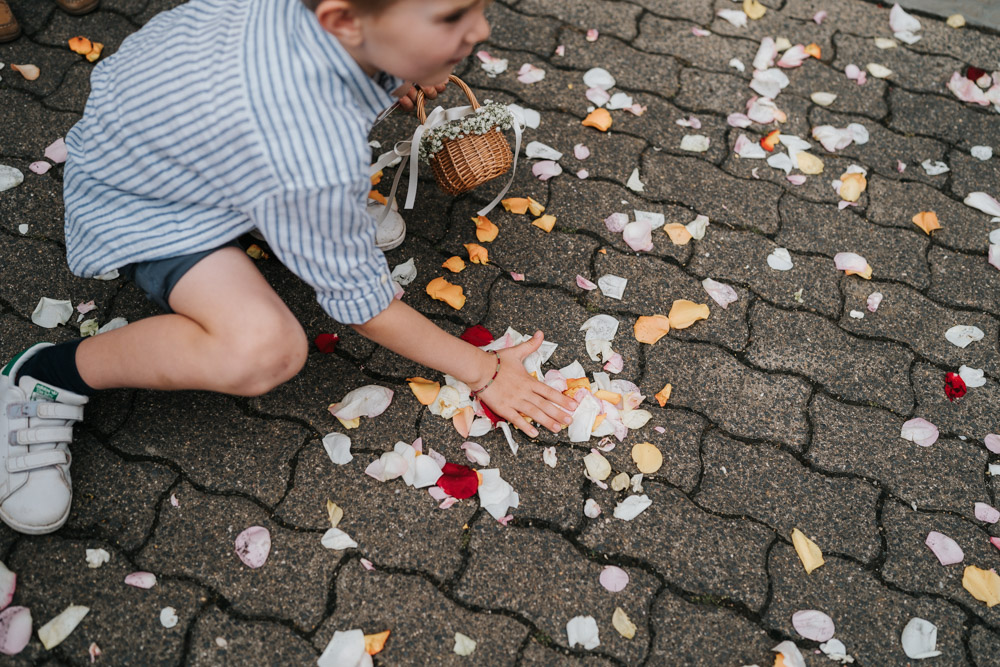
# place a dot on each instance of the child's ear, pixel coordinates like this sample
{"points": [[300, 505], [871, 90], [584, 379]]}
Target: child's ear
{"points": [[341, 20]]}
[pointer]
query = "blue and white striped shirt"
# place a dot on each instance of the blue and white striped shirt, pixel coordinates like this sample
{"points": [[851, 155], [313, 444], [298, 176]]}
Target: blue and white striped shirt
{"points": [[221, 116]]}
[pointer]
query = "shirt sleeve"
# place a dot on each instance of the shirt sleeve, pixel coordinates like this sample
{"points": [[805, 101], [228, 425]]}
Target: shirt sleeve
{"points": [[326, 237]]}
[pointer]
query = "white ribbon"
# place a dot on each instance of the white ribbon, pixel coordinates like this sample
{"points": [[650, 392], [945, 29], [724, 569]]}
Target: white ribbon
{"points": [[405, 149]]}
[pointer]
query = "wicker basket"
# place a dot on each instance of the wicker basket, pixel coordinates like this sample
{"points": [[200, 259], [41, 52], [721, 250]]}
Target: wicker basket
{"points": [[471, 160]]}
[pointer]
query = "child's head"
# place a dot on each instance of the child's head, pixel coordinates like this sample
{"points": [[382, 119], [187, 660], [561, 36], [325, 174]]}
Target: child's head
{"points": [[417, 40]]}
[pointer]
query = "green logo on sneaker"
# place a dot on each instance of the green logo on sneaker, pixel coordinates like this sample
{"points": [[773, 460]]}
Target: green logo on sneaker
{"points": [[44, 391]]}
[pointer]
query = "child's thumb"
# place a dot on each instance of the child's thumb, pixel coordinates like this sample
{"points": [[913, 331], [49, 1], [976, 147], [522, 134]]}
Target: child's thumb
{"points": [[530, 345]]}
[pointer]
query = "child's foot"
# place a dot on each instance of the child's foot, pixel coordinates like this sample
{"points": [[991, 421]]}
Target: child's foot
{"points": [[391, 229], [77, 7], [9, 28], [36, 427]]}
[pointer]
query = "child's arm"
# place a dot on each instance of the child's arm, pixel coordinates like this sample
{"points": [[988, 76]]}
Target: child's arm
{"points": [[405, 331]]}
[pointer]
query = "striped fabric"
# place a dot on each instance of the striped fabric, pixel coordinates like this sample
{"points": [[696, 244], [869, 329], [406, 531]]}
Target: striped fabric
{"points": [[221, 116]]}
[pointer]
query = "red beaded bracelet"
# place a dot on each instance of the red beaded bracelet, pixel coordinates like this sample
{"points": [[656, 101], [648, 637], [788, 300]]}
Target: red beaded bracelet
{"points": [[476, 393]]}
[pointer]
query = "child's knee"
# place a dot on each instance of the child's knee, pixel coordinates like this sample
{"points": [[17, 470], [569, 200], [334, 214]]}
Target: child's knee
{"points": [[269, 355]]}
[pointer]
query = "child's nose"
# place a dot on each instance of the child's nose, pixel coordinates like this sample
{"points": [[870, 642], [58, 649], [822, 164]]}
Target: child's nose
{"points": [[480, 30]]}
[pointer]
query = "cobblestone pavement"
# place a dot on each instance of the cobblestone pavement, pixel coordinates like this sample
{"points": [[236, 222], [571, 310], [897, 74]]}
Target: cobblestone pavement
{"points": [[786, 410]]}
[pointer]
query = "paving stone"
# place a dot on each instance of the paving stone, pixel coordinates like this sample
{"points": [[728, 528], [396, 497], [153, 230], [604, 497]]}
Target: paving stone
{"points": [[674, 37], [713, 92], [695, 183], [696, 550], [572, 589], [868, 615], [740, 258], [507, 30], [110, 27], [867, 100], [394, 525], [422, 620], [972, 416], [763, 482], [36, 202], [865, 441], [963, 280], [944, 118], [914, 568], [984, 644], [907, 317], [815, 228], [658, 126], [195, 541], [644, 71], [124, 517], [124, 621], [210, 439], [653, 287], [51, 62], [858, 370], [921, 72], [538, 655], [716, 385], [692, 10], [894, 205], [17, 333], [970, 174], [607, 17], [776, 24], [245, 642], [705, 634]]}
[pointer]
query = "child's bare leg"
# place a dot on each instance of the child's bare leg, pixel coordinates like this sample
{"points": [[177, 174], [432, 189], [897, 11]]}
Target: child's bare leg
{"points": [[230, 333]]}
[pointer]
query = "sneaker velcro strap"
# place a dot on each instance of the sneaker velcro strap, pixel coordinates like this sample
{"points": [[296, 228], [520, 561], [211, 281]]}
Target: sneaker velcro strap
{"points": [[45, 410], [36, 460], [38, 435]]}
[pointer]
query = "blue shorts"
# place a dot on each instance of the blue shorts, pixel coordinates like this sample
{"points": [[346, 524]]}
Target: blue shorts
{"points": [[158, 277]]}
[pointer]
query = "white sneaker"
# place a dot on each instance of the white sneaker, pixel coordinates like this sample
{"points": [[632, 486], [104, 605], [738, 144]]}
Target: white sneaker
{"points": [[391, 228], [36, 427]]}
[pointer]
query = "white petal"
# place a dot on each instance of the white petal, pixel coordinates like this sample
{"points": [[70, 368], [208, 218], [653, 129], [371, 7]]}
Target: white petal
{"points": [[919, 639], [973, 377], [736, 17], [338, 540], [860, 135], [994, 255], [634, 183], [616, 222], [168, 617], [600, 327], [426, 472], [780, 161], [546, 169], [338, 448], [591, 509], [368, 401], [620, 101], [766, 53], [495, 494], [748, 149], [780, 260], [849, 261], [832, 138], [899, 20], [813, 624], [584, 416], [962, 335], [476, 454], [737, 65], [638, 236], [141, 579], [549, 456], [791, 654], [874, 299], [612, 286], [919, 431], [50, 313], [983, 202], [582, 630], [599, 78], [10, 177], [115, 323], [738, 120], [537, 149], [823, 99], [721, 293], [987, 513], [581, 152], [59, 628], [696, 143], [527, 117], [405, 273], [530, 74], [464, 645], [769, 82], [346, 649], [97, 558], [697, 227], [655, 220], [934, 168], [878, 71], [793, 57], [253, 545], [981, 152], [632, 507], [636, 419]]}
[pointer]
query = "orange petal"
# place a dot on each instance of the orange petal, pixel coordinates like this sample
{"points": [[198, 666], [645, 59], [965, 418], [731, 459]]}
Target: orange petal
{"points": [[486, 231], [454, 264], [377, 177], [648, 459], [462, 420], [375, 195], [546, 222], [599, 118], [678, 233], [573, 384], [609, 396], [663, 395], [598, 420], [851, 186], [779, 661], [375, 643], [535, 207], [927, 221], [29, 72], [651, 328], [603, 251], [684, 313], [95, 52], [517, 205], [440, 289], [80, 45], [771, 140], [425, 390], [984, 585], [866, 274], [814, 50], [477, 253]]}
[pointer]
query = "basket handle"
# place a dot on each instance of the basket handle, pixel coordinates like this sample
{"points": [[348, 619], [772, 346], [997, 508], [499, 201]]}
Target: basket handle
{"points": [[422, 114]]}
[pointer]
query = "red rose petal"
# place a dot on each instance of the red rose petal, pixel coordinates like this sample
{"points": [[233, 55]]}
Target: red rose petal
{"points": [[973, 73], [477, 335], [954, 386], [458, 481], [494, 420], [326, 342]]}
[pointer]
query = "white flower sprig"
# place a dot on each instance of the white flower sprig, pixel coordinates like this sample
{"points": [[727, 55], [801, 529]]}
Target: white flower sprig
{"points": [[490, 115]]}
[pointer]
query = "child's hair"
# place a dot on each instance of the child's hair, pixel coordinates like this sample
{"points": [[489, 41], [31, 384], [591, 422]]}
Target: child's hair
{"points": [[362, 6]]}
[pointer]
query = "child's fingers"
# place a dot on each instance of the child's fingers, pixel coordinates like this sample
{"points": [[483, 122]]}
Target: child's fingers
{"points": [[522, 425], [551, 416], [557, 397]]}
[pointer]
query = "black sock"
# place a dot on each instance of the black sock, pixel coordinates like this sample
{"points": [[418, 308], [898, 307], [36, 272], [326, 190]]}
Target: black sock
{"points": [[56, 365]]}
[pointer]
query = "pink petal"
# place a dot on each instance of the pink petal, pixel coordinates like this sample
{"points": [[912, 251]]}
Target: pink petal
{"points": [[841, 205], [253, 545], [546, 169], [849, 261], [476, 454], [582, 174], [992, 442], [436, 457], [141, 579], [173, 501], [813, 624], [616, 223], [367, 564], [615, 363], [638, 235], [900, 166], [15, 630], [8, 584], [581, 152], [919, 431], [561, 50], [39, 167], [518, 277], [592, 35], [583, 283], [530, 74], [504, 520], [84, 308], [721, 293], [994, 256], [738, 120], [659, 429], [946, 549], [819, 16], [437, 493], [598, 96], [448, 502], [766, 53], [56, 151], [793, 57], [638, 109], [966, 90], [484, 56], [995, 541], [987, 513], [555, 379], [796, 179], [700, 32], [874, 299], [614, 578]]}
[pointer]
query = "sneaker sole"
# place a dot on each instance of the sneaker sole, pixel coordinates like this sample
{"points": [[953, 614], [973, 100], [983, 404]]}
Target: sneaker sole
{"points": [[392, 245], [35, 530]]}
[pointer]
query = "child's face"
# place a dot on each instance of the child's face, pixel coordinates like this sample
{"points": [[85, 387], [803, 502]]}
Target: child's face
{"points": [[422, 41]]}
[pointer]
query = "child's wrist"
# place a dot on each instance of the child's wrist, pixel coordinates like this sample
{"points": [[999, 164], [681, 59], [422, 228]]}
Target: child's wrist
{"points": [[481, 386]]}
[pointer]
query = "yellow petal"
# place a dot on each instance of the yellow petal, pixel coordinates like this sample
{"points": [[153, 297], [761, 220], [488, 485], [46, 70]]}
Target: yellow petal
{"points": [[477, 253], [651, 328], [808, 552], [809, 163], [609, 396], [486, 231], [753, 9], [663, 395], [597, 466], [517, 205], [866, 274], [851, 186], [814, 50], [678, 233], [376, 178], [545, 222], [440, 289], [375, 643], [350, 423], [462, 421], [375, 195], [334, 513], [622, 624], [684, 313], [599, 118], [984, 585], [927, 221], [956, 21], [425, 390], [95, 52], [454, 264], [621, 481], [535, 207], [647, 457], [572, 384]]}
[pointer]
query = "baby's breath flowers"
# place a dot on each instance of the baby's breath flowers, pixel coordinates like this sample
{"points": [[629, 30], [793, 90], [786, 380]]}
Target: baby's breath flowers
{"points": [[486, 117]]}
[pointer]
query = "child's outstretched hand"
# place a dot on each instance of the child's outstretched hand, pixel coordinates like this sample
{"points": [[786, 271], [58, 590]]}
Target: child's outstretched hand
{"points": [[514, 392], [408, 100]]}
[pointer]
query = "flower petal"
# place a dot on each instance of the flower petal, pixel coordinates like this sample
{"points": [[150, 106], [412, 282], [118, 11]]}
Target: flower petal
{"points": [[962, 335], [15, 630], [367, 401], [59, 628], [253, 545], [651, 328], [780, 260], [638, 236], [684, 313], [946, 549], [984, 585], [632, 507], [582, 630], [440, 289], [919, 639], [920, 432], [647, 457], [808, 552], [987, 513], [614, 578], [141, 579], [476, 453], [813, 624]]}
